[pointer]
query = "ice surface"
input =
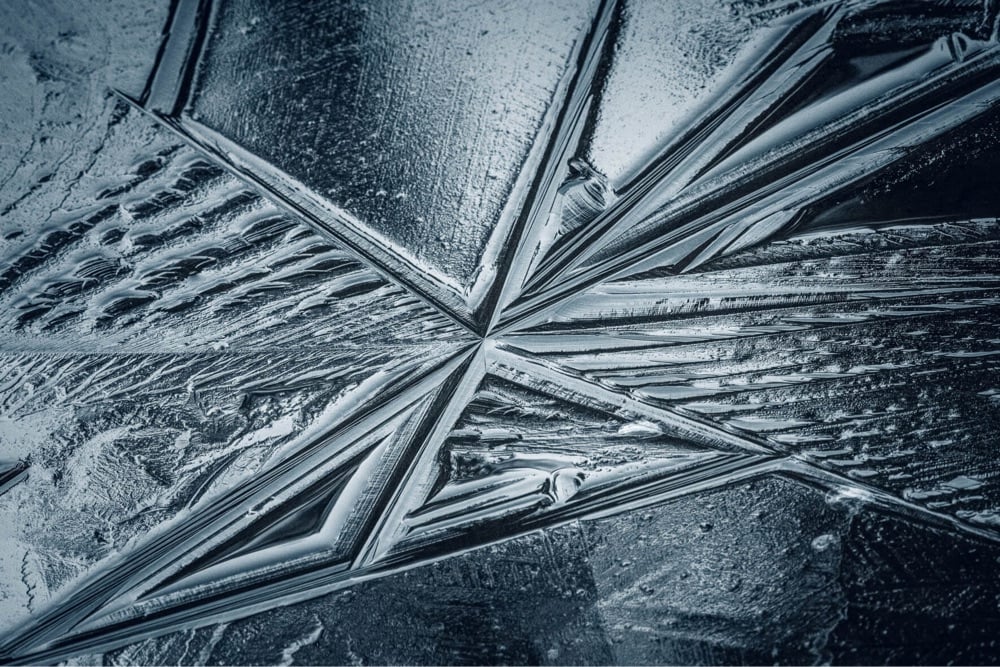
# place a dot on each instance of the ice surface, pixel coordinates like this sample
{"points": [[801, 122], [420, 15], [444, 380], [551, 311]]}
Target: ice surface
{"points": [[765, 573], [617, 332], [669, 59], [418, 122], [174, 254]]}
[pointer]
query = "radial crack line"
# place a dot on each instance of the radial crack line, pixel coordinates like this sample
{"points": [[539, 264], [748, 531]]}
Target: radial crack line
{"points": [[848, 489], [730, 120], [331, 222], [169, 84], [560, 138], [591, 327], [172, 546], [515, 364], [779, 197]]}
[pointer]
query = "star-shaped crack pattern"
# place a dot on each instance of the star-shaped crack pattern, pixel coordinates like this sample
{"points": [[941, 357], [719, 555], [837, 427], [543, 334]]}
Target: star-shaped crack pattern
{"points": [[611, 341]]}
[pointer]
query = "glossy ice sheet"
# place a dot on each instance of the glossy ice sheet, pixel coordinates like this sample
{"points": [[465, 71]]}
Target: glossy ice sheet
{"points": [[629, 332], [415, 119]]}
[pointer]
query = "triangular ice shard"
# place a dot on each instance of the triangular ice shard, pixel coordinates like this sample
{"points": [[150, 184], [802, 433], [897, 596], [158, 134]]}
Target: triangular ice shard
{"points": [[690, 209], [275, 534], [821, 346], [526, 453]]}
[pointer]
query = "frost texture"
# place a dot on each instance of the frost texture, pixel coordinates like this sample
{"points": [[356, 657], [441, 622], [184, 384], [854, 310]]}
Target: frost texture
{"points": [[347, 290]]}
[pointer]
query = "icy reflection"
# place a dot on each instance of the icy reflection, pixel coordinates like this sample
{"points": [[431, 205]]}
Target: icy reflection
{"points": [[346, 290]]}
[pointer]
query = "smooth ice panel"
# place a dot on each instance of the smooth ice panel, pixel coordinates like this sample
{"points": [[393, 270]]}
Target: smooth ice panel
{"points": [[670, 58], [415, 117]]}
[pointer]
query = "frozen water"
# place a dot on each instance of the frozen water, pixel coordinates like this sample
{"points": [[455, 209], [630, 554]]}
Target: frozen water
{"points": [[416, 123], [617, 332]]}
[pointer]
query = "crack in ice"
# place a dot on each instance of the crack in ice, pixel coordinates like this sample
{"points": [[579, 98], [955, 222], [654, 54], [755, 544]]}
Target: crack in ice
{"points": [[731, 183]]}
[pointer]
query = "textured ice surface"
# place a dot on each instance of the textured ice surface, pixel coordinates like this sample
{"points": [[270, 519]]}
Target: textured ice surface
{"points": [[586, 333], [655, 83], [175, 254], [416, 120]]}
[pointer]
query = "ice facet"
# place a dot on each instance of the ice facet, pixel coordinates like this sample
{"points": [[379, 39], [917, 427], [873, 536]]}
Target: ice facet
{"points": [[429, 332], [418, 123]]}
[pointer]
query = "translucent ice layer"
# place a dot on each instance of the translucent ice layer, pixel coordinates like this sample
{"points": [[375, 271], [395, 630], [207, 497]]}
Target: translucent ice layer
{"points": [[349, 290]]}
